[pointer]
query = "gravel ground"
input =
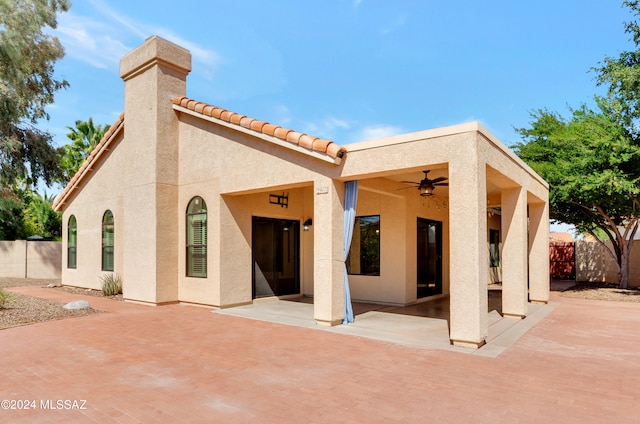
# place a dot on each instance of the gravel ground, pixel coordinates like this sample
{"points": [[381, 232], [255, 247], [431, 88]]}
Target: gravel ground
{"points": [[24, 310], [19, 282], [88, 292], [602, 291]]}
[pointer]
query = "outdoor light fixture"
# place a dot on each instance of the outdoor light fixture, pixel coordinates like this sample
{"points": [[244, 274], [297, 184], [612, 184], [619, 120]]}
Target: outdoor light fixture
{"points": [[307, 224], [426, 190], [426, 186]]}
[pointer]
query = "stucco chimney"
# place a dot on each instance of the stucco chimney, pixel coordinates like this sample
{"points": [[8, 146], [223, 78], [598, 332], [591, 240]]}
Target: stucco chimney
{"points": [[155, 50], [153, 74]]}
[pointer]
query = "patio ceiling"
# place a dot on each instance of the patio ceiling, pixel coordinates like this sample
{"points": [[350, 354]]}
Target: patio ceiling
{"points": [[495, 181]]}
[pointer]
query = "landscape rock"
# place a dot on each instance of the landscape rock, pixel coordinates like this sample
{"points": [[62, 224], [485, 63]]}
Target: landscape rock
{"points": [[76, 305]]}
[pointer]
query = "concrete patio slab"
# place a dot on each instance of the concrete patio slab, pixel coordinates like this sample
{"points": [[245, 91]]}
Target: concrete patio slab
{"points": [[395, 325], [281, 312]]}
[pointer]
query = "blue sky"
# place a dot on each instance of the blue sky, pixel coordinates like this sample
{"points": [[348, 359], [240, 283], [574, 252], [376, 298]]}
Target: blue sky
{"points": [[349, 70]]}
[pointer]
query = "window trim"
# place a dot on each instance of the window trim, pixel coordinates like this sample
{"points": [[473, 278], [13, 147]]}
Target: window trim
{"points": [[494, 248], [72, 249], [191, 245], [106, 248], [359, 228]]}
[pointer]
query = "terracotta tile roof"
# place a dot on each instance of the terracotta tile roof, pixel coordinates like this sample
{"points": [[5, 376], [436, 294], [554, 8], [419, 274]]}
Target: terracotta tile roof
{"points": [[87, 165], [306, 141]]}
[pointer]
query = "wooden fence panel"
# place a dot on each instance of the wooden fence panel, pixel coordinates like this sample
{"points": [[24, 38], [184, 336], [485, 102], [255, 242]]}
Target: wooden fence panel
{"points": [[562, 260]]}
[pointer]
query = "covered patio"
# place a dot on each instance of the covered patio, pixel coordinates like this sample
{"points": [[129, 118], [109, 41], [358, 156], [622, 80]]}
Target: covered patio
{"points": [[422, 325]]}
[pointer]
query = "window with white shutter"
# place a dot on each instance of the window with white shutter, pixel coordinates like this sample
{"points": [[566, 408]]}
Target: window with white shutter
{"points": [[72, 235], [196, 222], [107, 241]]}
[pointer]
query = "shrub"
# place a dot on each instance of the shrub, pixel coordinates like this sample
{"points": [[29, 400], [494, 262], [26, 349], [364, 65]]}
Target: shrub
{"points": [[111, 284], [4, 298]]}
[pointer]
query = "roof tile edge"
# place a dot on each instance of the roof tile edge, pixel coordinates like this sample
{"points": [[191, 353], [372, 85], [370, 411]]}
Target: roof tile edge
{"points": [[307, 141], [95, 154]]}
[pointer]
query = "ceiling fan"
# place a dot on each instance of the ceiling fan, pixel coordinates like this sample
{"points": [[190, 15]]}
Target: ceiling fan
{"points": [[427, 186]]}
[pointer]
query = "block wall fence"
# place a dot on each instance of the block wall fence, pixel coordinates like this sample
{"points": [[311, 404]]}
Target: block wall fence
{"points": [[31, 259]]}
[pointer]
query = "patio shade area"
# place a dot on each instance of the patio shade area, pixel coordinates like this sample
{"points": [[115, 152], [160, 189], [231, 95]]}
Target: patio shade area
{"points": [[424, 325]]}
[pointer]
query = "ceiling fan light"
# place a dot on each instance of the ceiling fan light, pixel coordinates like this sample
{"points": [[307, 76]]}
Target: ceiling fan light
{"points": [[426, 190]]}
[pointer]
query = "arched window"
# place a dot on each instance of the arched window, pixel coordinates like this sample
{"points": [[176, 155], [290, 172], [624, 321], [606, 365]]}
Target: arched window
{"points": [[196, 238], [107, 241], [72, 240]]}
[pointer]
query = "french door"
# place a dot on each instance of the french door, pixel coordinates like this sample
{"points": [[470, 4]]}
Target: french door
{"points": [[429, 258], [276, 257]]}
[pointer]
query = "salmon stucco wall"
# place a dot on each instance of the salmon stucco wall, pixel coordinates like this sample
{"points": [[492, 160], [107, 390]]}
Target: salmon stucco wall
{"points": [[229, 221], [214, 162], [398, 211], [390, 285], [106, 192]]}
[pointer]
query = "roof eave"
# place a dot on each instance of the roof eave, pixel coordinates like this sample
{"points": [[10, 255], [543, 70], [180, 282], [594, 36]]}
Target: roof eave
{"points": [[271, 139], [89, 164]]}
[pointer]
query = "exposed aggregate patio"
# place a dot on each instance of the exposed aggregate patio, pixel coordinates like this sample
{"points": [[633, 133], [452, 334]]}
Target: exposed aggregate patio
{"points": [[177, 363]]}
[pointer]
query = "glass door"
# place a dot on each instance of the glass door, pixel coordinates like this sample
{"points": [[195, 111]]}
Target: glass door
{"points": [[429, 258], [276, 257]]}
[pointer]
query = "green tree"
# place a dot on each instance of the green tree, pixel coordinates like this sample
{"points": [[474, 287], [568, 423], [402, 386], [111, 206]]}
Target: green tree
{"points": [[39, 218], [10, 215], [592, 165], [84, 138], [621, 76], [27, 86], [592, 159]]}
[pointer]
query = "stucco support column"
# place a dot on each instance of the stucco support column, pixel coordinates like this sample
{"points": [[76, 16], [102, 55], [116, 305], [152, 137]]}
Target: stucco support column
{"points": [[328, 270], [539, 252], [468, 253], [235, 244], [514, 252]]}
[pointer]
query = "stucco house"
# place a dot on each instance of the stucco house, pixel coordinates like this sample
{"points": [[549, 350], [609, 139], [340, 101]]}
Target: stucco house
{"points": [[189, 202]]}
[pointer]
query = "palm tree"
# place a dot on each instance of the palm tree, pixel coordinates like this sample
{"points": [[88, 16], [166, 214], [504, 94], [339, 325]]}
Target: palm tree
{"points": [[39, 218], [84, 138]]}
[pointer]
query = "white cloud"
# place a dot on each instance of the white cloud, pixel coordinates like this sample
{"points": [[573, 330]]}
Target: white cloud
{"points": [[125, 22], [333, 123], [373, 132], [102, 43], [88, 40], [343, 131], [329, 127], [199, 54]]}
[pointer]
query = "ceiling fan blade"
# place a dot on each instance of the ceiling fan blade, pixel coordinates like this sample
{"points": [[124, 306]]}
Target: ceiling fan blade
{"points": [[410, 182], [441, 184], [403, 188], [437, 180]]}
